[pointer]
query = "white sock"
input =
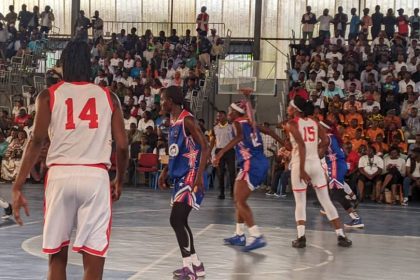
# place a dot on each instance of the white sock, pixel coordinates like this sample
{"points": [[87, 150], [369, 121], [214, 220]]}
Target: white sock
{"points": [[301, 230], [3, 204], [254, 231], [240, 228], [195, 260], [354, 215], [340, 232], [186, 262]]}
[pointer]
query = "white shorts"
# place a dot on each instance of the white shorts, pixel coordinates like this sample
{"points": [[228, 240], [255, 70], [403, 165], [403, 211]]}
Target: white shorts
{"points": [[77, 196], [315, 172]]}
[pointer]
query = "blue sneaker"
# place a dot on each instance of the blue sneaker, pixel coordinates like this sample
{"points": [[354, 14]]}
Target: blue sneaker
{"points": [[236, 240], [356, 223], [258, 242]]}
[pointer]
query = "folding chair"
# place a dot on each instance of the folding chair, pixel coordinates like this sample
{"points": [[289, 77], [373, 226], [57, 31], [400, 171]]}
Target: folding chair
{"points": [[148, 163]]}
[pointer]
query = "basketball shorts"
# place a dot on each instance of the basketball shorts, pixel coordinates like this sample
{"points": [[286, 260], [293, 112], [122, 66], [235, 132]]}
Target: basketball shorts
{"points": [[183, 192], [80, 197], [337, 171], [254, 171], [315, 171]]}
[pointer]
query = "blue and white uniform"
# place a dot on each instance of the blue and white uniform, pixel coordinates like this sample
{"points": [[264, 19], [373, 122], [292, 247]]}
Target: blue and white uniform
{"points": [[250, 156], [336, 162], [184, 160]]}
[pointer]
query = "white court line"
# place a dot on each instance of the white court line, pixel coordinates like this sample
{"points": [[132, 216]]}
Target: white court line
{"points": [[150, 266], [16, 225]]}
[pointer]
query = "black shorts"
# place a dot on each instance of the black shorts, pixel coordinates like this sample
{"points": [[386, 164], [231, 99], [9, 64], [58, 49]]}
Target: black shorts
{"points": [[365, 179]]}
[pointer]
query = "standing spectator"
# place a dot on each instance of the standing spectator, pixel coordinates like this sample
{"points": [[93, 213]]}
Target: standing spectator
{"points": [[414, 22], [204, 49], [270, 149], [308, 21], [354, 24], [412, 174], [11, 17], [24, 18], [203, 20], [402, 23], [324, 25], [340, 22], [389, 21], [213, 37], [82, 25], [4, 38], [370, 168], [223, 134], [34, 21], [173, 39], [47, 17], [98, 27], [366, 22], [377, 19]]}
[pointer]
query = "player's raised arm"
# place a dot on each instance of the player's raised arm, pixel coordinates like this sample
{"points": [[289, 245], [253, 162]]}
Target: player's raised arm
{"points": [[33, 149], [271, 133], [121, 146], [199, 138], [238, 138]]}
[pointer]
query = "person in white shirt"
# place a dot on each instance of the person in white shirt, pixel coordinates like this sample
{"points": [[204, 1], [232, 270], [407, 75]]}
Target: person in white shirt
{"points": [[399, 63], [338, 81], [337, 36], [394, 172], [183, 70], [128, 62], [170, 73], [412, 168], [145, 122], [148, 98], [213, 37], [324, 25], [370, 168], [126, 80], [115, 60], [404, 83], [101, 77], [369, 104], [334, 53]]}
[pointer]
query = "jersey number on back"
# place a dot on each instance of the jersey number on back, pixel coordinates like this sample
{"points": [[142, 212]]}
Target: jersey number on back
{"points": [[309, 134], [88, 113]]}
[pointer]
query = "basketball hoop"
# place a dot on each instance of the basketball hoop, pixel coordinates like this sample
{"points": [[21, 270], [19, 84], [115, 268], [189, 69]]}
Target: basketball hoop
{"points": [[247, 91]]}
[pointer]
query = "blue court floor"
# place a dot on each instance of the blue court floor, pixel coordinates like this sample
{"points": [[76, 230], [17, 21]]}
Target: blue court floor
{"points": [[143, 246]]}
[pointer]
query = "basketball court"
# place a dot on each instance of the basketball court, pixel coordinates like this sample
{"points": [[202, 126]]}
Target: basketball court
{"points": [[143, 245]]}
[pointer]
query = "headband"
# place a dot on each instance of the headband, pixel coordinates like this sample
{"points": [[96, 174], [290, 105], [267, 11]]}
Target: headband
{"points": [[324, 125], [292, 103], [237, 108]]}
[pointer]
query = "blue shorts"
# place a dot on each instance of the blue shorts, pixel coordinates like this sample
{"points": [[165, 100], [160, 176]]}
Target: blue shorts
{"points": [[183, 192], [337, 171], [254, 171]]}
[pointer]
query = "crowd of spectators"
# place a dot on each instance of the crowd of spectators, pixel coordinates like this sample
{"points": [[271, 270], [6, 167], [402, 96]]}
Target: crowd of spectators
{"points": [[133, 66], [370, 90]]}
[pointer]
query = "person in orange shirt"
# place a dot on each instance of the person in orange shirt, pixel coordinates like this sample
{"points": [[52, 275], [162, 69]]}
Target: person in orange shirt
{"points": [[352, 102], [392, 118], [380, 146], [397, 141], [358, 140], [373, 131], [351, 130], [353, 114], [335, 116]]}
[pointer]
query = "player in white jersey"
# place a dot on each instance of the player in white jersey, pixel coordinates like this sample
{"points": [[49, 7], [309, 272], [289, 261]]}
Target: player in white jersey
{"points": [[308, 142], [80, 119]]}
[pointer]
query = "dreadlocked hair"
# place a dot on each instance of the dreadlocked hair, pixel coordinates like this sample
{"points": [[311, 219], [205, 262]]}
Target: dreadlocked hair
{"points": [[76, 62]]}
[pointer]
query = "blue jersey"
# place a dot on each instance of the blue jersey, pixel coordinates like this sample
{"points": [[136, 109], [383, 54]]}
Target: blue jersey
{"points": [[335, 152], [251, 146], [184, 153], [336, 161]]}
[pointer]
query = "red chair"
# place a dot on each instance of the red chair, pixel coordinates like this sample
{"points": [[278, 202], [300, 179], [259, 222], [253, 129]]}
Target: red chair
{"points": [[148, 163]]}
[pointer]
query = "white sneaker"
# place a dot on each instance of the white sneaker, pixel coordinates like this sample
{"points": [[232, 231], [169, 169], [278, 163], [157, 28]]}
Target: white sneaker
{"points": [[405, 201]]}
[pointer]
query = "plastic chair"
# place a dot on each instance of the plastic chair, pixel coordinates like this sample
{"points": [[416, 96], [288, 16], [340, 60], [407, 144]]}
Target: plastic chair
{"points": [[148, 163]]}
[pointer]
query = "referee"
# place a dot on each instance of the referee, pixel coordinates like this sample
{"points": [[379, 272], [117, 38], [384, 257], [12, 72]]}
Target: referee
{"points": [[223, 134]]}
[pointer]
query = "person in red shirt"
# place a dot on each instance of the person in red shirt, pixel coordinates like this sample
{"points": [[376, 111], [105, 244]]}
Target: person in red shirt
{"points": [[297, 89], [402, 23], [203, 20], [22, 118]]}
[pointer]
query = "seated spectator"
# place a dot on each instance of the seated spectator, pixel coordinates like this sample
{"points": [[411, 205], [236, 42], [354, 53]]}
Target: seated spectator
{"points": [[298, 90], [5, 121], [411, 102], [370, 168], [102, 77], [320, 73], [163, 128], [350, 132], [335, 104], [390, 85], [412, 124], [133, 134], [128, 119], [318, 115], [399, 63], [152, 137], [217, 50], [332, 90], [370, 103], [128, 62], [145, 122], [338, 81], [352, 102], [22, 118], [394, 167], [358, 140], [352, 79], [372, 91], [376, 116], [177, 81], [353, 114], [161, 148], [333, 67], [115, 60], [12, 158], [370, 82], [412, 178], [334, 53], [414, 145], [352, 90], [310, 84], [380, 146], [317, 101], [136, 70], [373, 131], [144, 145], [403, 84], [399, 142], [390, 104], [126, 80], [148, 98]]}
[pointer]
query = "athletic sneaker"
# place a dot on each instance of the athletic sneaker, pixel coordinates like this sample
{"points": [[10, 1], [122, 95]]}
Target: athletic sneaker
{"points": [[187, 274], [257, 243], [199, 270], [236, 240], [356, 223], [300, 242], [344, 241], [270, 193], [405, 201], [7, 212]]}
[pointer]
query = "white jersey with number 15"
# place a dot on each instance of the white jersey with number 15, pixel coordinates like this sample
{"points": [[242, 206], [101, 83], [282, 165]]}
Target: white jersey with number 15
{"points": [[308, 129]]}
